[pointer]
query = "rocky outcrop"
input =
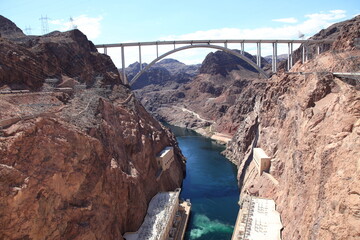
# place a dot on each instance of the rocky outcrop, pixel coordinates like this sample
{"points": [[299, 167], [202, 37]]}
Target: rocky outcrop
{"points": [[308, 122], [9, 30], [223, 63], [79, 164], [345, 35], [27, 62]]}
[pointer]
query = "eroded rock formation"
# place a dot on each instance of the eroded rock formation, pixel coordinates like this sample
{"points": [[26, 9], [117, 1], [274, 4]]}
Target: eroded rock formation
{"points": [[26, 61], [77, 164]]}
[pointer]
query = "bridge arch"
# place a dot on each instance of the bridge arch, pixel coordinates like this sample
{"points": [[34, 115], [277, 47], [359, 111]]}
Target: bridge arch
{"points": [[227, 50]]}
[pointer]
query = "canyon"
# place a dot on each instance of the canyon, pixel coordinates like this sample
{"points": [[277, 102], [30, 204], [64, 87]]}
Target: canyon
{"points": [[216, 98], [306, 120], [78, 151]]}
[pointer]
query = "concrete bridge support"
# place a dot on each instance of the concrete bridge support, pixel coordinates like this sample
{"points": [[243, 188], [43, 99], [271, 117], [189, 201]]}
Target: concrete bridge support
{"points": [[290, 56], [274, 57], [125, 81], [258, 55], [140, 57]]}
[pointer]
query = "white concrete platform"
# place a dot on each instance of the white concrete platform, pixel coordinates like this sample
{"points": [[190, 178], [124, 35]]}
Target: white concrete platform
{"points": [[257, 220], [159, 218]]}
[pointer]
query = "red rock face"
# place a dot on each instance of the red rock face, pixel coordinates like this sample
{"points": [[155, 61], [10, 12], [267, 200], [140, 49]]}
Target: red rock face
{"points": [[64, 179], [78, 164], [28, 61], [309, 124]]}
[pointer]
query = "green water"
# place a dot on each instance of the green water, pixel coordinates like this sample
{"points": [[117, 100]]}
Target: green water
{"points": [[211, 186]]}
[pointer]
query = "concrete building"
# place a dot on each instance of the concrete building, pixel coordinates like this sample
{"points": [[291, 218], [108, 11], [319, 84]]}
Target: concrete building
{"points": [[262, 160], [165, 158], [257, 220], [164, 219]]}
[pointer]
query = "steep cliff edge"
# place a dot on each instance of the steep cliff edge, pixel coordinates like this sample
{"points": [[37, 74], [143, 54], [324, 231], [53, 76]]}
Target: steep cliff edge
{"points": [[81, 163], [308, 121]]}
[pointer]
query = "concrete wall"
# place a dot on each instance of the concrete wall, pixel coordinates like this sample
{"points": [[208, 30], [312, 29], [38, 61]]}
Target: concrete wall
{"points": [[262, 160], [165, 157]]}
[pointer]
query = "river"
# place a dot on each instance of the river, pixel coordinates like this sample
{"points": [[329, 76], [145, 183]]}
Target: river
{"points": [[211, 186]]}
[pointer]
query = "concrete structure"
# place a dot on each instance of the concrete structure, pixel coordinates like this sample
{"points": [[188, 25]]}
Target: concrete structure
{"points": [[261, 160], [257, 220], [166, 219], [214, 44], [165, 158], [180, 222]]}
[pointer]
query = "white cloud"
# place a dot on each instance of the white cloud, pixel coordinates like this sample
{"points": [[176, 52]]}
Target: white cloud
{"points": [[286, 20], [90, 26], [312, 24], [331, 15]]}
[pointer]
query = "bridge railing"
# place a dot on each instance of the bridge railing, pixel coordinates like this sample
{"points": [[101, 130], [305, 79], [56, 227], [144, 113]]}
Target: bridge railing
{"points": [[225, 42]]}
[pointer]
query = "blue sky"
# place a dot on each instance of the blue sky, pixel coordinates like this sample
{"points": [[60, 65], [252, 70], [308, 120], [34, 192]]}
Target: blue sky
{"points": [[133, 21]]}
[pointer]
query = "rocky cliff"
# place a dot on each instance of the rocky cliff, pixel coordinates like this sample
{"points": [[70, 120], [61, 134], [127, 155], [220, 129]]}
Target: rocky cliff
{"points": [[80, 162], [8, 29], [308, 122], [27, 61]]}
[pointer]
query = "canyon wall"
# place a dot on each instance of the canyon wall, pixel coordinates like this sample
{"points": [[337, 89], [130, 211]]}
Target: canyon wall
{"points": [[80, 163], [308, 122]]}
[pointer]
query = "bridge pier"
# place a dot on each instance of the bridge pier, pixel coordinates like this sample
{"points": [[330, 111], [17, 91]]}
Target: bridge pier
{"points": [[242, 48], [258, 55], [157, 50], [274, 58], [123, 66], [303, 59], [140, 57], [290, 57]]}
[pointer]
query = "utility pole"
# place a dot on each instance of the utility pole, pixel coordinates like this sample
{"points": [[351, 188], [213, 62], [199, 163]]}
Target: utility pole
{"points": [[28, 30], [44, 24]]}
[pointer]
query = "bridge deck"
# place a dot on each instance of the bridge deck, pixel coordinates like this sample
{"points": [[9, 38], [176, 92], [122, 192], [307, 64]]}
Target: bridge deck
{"points": [[132, 44]]}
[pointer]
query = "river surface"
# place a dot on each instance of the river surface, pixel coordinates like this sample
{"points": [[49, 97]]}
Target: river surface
{"points": [[211, 186]]}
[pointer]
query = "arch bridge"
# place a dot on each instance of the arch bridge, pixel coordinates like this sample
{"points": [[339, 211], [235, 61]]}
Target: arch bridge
{"points": [[215, 44]]}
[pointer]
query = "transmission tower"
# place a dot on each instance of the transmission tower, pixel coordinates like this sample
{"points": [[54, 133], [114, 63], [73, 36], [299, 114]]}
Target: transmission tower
{"points": [[301, 35], [73, 26], [44, 24], [28, 30]]}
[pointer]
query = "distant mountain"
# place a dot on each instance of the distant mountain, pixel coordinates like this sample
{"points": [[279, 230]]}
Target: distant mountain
{"points": [[280, 58], [223, 63], [167, 70]]}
